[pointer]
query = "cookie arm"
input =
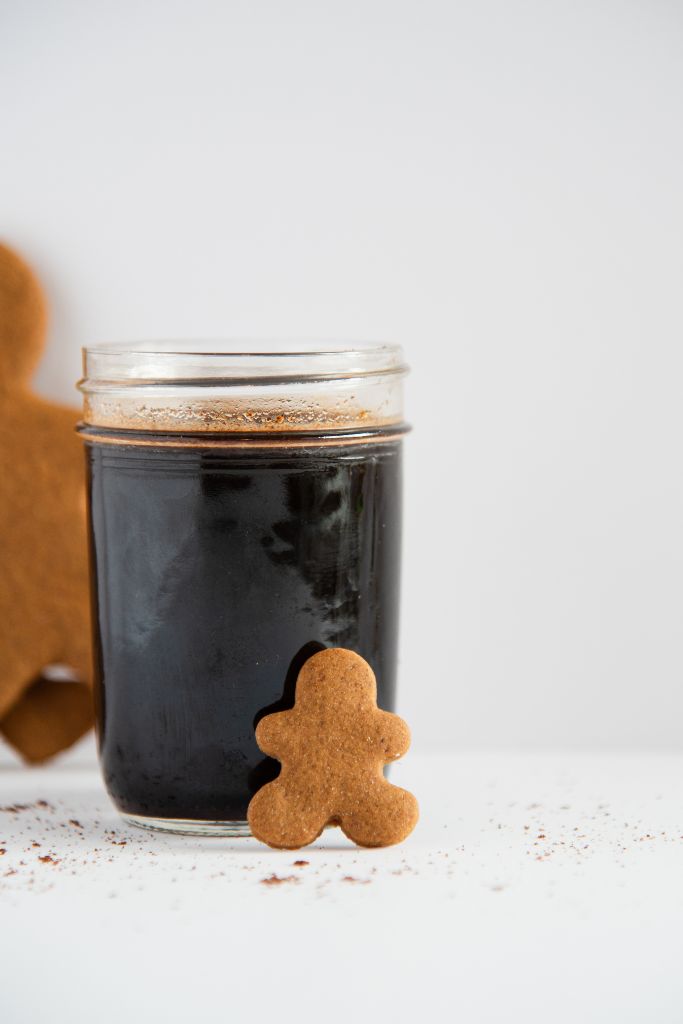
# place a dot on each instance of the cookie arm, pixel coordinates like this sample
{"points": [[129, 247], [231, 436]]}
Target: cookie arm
{"points": [[393, 735], [272, 733]]}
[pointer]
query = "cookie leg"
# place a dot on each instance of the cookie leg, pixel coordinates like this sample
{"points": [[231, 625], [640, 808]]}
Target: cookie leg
{"points": [[384, 815], [276, 817], [49, 717]]}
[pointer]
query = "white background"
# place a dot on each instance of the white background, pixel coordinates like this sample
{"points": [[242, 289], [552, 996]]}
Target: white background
{"points": [[497, 186]]}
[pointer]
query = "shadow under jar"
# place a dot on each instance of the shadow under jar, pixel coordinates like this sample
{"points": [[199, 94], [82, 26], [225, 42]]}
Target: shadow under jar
{"points": [[245, 512]]}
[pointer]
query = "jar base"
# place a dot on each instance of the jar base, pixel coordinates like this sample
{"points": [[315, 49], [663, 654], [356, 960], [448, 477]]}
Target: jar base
{"points": [[190, 827]]}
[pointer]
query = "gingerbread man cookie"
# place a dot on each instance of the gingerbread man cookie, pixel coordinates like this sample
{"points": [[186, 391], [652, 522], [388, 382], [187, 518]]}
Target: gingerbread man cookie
{"points": [[332, 746], [44, 617]]}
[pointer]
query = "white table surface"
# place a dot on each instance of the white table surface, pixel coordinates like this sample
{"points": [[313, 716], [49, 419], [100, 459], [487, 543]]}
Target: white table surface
{"points": [[535, 888]]}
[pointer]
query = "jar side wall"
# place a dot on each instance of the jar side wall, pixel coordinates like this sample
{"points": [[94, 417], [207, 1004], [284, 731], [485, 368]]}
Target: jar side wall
{"points": [[220, 574]]}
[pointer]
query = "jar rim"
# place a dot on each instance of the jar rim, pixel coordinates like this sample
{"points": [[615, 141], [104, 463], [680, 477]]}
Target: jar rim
{"points": [[234, 362]]}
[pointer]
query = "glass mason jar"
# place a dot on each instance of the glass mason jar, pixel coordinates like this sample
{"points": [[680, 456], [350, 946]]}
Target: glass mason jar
{"points": [[245, 512]]}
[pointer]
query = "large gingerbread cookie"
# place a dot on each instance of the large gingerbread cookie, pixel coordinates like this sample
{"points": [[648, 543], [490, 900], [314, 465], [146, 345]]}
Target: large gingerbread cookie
{"points": [[333, 745], [44, 618]]}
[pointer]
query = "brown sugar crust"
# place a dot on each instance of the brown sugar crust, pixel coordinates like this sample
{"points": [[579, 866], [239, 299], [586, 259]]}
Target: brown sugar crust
{"points": [[333, 745], [227, 415], [44, 617]]}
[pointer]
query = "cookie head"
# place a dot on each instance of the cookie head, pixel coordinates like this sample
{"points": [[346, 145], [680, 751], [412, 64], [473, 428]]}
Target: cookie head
{"points": [[336, 668]]}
